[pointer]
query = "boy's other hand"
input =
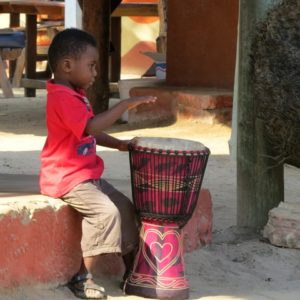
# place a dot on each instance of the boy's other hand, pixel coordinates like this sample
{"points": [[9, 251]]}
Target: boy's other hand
{"points": [[136, 101], [123, 144]]}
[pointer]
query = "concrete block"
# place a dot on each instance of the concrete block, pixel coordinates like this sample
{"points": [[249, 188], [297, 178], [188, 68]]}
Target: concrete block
{"points": [[198, 231], [208, 106], [164, 109], [283, 227], [40, 242]]}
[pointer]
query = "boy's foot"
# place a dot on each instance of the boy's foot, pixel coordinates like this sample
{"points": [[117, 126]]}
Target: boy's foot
{"points": [[84, 287], [122, 283], [128, 260]]}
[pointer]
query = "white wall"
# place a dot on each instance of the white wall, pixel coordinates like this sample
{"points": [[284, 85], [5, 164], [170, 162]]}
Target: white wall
{"points": [[73, 14]]}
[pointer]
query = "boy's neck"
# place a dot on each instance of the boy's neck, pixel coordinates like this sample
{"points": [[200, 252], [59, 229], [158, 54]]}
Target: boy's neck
{"points": [[64, 82]]}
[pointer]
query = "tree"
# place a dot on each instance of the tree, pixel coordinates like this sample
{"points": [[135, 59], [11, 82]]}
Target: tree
{"points": [[259, 185]]}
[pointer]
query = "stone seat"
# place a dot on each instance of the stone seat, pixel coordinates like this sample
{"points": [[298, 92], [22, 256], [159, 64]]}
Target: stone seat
{"points": [[40, 236]]}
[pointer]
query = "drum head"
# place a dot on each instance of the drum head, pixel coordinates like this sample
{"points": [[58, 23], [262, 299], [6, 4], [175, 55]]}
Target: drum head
{"points": [[171, 144]]}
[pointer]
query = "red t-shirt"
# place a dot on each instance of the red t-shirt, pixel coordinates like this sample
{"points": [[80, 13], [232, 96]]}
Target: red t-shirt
{"points": [[69, 155]]}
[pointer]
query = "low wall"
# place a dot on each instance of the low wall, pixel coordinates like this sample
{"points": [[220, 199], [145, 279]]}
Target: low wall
{"points": [[40, 239], [209, 106]]}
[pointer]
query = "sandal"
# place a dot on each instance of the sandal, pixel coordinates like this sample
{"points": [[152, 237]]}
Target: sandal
{"points": [[84, 290]]}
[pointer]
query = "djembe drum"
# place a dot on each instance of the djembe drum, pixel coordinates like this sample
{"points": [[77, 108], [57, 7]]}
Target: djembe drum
{"points": [[165, 187]]}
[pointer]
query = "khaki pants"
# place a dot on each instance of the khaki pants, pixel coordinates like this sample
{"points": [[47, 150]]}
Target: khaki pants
{"points": [[109, 222]]}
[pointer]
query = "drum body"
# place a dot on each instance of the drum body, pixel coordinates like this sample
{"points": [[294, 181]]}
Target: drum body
{"points": [[166, 177]]}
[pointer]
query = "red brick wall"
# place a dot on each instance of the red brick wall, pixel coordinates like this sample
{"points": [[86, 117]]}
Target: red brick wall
{"points": [[202, 42]]}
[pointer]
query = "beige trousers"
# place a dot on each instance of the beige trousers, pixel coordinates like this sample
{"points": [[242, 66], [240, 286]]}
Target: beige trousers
{"points": [[109, 223]]}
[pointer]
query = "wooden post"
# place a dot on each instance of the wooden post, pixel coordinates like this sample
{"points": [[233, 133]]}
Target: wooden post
{"points": [[4, 81], [163, 23], [259, 184], [30, 54], [96, 20], [14, 21], [115, 57], [18, 72]]}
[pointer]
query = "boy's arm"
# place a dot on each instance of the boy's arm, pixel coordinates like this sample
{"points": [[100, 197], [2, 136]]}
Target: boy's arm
{"points": [[109, 141], [96, 125]]}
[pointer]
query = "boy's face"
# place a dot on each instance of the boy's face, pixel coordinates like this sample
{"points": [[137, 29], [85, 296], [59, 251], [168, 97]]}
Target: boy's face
{"points": [[83, 69]]}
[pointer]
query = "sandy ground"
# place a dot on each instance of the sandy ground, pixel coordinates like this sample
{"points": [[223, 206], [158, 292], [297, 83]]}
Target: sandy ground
{"points": [[236, 265]]}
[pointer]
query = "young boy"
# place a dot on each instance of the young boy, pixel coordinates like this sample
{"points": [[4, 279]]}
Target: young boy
{"points": [[70, 167]]}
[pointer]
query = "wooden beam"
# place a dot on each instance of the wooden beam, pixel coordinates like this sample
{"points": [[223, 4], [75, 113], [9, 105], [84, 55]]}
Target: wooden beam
{"points": [[57, 8], [5, 7], [136, 9], [18, 70], [14, 21], [30, 54], [38, 7], [162, 38], [115, 56], [33, 83], [96, 21], [4, 81]]}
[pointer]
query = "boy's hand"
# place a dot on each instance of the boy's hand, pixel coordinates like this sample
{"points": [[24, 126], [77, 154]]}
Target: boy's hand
{"points": [[135, 101], [123, 144]]}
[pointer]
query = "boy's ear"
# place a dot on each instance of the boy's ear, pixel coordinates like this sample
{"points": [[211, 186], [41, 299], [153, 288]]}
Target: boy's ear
{"points": [[67, 65]]}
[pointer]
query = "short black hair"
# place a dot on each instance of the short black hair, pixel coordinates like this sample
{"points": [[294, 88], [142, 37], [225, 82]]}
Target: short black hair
{"points": [[70, 42]]}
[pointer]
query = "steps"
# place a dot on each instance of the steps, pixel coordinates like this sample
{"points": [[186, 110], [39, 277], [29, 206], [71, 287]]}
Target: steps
{"points": [[208, 106]]}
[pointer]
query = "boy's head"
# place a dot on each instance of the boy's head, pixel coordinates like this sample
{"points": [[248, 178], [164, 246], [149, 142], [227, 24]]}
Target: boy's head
{"points": [[72, 57], [70, 42]]}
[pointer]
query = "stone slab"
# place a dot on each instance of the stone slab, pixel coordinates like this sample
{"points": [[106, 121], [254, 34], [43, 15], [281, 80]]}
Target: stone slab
{"points": [[283, 227]]}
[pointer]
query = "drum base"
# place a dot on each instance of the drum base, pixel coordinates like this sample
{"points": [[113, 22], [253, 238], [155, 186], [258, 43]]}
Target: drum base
{"points": [[156, 293], [158, 270]]}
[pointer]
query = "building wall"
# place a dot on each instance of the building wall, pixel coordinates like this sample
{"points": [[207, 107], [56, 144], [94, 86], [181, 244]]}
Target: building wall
{"points": [[202, 42]]}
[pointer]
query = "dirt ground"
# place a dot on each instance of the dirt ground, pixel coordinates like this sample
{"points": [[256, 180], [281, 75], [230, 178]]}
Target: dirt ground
{"points": [[236, 265]]}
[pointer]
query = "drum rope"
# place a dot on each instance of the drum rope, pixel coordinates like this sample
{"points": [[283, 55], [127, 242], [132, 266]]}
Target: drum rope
{"points": [[166, 184]]}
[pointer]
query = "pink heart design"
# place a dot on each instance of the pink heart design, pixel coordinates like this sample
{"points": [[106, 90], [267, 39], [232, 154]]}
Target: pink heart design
{"points": [[163, 248], [166, 249]]}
